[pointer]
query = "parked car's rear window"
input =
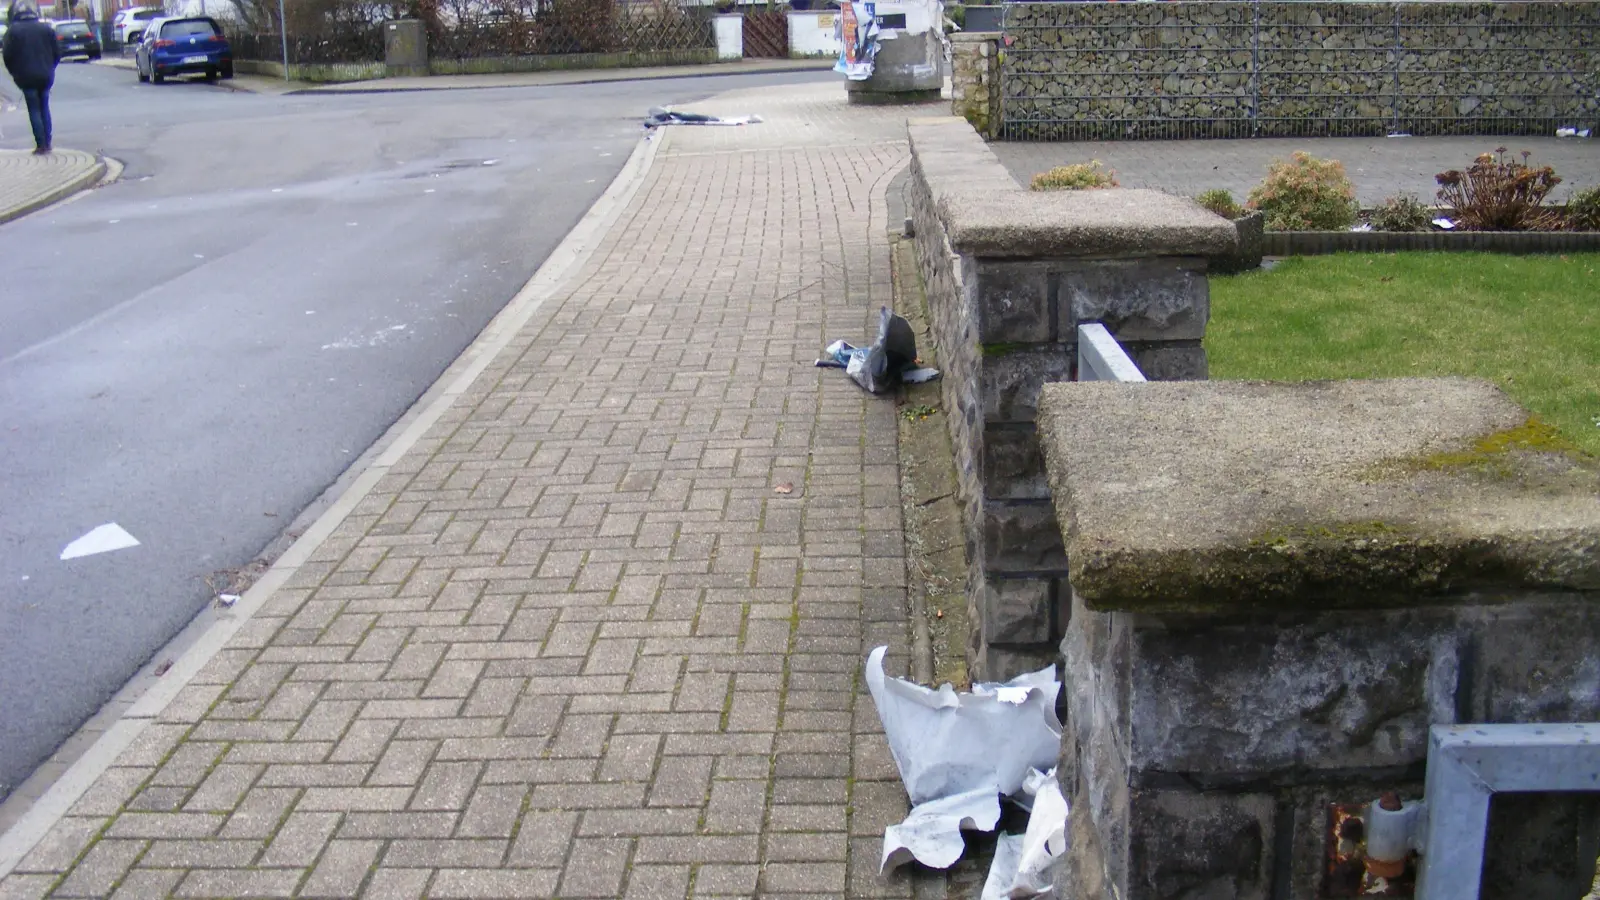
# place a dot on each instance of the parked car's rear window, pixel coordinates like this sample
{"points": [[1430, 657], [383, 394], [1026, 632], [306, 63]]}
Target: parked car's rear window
{"points": [[187, 28], [73, 29]]}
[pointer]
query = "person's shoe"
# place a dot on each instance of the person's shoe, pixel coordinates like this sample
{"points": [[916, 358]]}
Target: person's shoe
{"points": [[40, 151]]}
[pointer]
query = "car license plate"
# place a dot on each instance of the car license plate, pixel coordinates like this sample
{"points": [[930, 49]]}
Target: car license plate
{"points": [[187, 60]]}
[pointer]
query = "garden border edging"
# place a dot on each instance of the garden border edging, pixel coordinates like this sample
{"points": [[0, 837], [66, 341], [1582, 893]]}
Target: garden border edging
{"points": [[1316, 243]]}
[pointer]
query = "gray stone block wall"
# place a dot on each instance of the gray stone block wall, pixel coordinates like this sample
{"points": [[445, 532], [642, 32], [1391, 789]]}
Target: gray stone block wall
{"points": [[1202, 750], [1004, 321], [1282, 69], [1277, 590]]}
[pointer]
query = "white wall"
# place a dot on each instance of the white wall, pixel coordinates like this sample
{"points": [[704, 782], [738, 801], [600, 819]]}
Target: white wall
{"points": [[811, 33], [730, 36]]}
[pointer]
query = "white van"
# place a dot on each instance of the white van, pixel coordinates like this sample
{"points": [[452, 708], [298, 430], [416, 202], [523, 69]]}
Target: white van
{"points": [[129, 24]]}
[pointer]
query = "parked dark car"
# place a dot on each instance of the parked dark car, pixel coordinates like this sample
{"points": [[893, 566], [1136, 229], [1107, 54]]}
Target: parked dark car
{"points": [[76, 39], [183, 46]]}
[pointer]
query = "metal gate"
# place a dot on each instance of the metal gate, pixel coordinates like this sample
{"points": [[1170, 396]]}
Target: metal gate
{"points": [[1111, 71], [766, 34]]}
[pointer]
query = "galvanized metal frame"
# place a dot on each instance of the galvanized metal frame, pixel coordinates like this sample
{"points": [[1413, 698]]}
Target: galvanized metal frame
{"points": [[1101, 358], [1467, 764]]}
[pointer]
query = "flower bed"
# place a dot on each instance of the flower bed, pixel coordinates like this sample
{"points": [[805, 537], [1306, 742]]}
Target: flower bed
{"points": [[1498, 204]]}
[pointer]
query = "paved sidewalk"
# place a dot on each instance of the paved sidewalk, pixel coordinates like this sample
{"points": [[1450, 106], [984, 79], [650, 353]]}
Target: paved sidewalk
{"points": [[1379, 167], [29, 182], [598, 633]]}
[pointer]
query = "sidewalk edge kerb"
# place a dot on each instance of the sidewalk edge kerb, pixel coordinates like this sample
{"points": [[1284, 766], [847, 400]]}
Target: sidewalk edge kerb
{"points": [[89, 178], [563, 263], [644, 74]]}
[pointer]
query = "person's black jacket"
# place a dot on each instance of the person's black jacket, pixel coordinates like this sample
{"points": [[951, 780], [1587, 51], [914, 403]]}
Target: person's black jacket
{"points": [[31, 53]]}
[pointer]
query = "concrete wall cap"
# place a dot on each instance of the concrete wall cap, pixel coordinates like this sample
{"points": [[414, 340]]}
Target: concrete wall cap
{"points": [[1112, 222], [1232, 496], [986, 213]]}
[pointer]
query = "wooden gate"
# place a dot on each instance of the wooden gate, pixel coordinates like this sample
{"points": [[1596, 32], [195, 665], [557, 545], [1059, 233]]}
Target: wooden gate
{"points": [[766, 34]]}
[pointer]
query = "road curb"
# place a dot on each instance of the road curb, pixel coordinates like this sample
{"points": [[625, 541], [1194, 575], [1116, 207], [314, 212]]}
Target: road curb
{"points": [[88, 179], [564, 262], [644, 76]]}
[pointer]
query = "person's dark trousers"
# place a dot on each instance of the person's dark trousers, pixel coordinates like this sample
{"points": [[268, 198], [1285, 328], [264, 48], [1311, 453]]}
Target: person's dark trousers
{"points": [[38, 100]]}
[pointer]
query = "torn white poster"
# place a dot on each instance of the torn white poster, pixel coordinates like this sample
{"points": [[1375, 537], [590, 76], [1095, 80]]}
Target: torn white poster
{"points": [[659, 116], [104, 539], [1003, 870], [958, 753], [857, 30], [1021, 867]]}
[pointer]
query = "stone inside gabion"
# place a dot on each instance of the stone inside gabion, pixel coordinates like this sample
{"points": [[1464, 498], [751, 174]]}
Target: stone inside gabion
{"points": [[1117, 71]]}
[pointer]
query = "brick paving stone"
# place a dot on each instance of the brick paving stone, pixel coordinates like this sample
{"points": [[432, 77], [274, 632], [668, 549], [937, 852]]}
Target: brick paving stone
{"points": [[397, 884], [29, 887], [27, 181], [509, 884], [657, 882], [493, 811], [595, 867], [193, 854], [573, 643], [300, 839], [342, 869], [148, 884], [61, 845], [100, 868], [111, 791], [206, 883]]}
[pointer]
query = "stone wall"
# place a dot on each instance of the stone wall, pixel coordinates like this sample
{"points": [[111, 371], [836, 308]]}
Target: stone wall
{"points": [[1009, 274], [1099, 70], [975, 80], [316, 73], [1277, 590]]}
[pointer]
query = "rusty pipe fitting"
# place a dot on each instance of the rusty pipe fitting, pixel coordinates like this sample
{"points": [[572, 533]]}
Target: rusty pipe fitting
{"points": [[1389, 825]]}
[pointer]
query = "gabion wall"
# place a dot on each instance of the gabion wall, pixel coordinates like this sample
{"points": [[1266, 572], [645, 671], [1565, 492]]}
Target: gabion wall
{"points": [[1108, 70]]}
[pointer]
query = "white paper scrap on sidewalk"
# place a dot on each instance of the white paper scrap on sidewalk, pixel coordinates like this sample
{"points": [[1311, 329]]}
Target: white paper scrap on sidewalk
{"points": [[1003, 870], [958, 753], [1021, 867], [103, 539]]}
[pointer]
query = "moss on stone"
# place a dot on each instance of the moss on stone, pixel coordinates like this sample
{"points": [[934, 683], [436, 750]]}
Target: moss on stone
{"points": [[1362, 564], [1344, 531], [1001, 348], [978, 115], [1493, 454]]}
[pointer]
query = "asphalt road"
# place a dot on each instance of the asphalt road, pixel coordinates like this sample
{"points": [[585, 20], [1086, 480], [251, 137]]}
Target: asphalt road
{"points": [[197, 351]]}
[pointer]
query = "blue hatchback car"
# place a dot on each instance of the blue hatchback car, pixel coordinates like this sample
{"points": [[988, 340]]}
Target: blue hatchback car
{"points": [[183, 46]]}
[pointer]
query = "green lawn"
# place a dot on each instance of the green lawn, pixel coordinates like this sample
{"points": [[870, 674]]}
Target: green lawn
{"points": [[1531, 324]]}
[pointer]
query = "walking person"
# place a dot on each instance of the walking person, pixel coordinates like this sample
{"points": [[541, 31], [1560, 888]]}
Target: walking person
{"points": [[31, 53]]}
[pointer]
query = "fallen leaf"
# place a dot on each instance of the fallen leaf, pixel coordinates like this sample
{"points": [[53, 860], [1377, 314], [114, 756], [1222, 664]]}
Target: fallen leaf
{"points": [[785, 488], [938, 614], [1386, 279], [162, 669]]}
